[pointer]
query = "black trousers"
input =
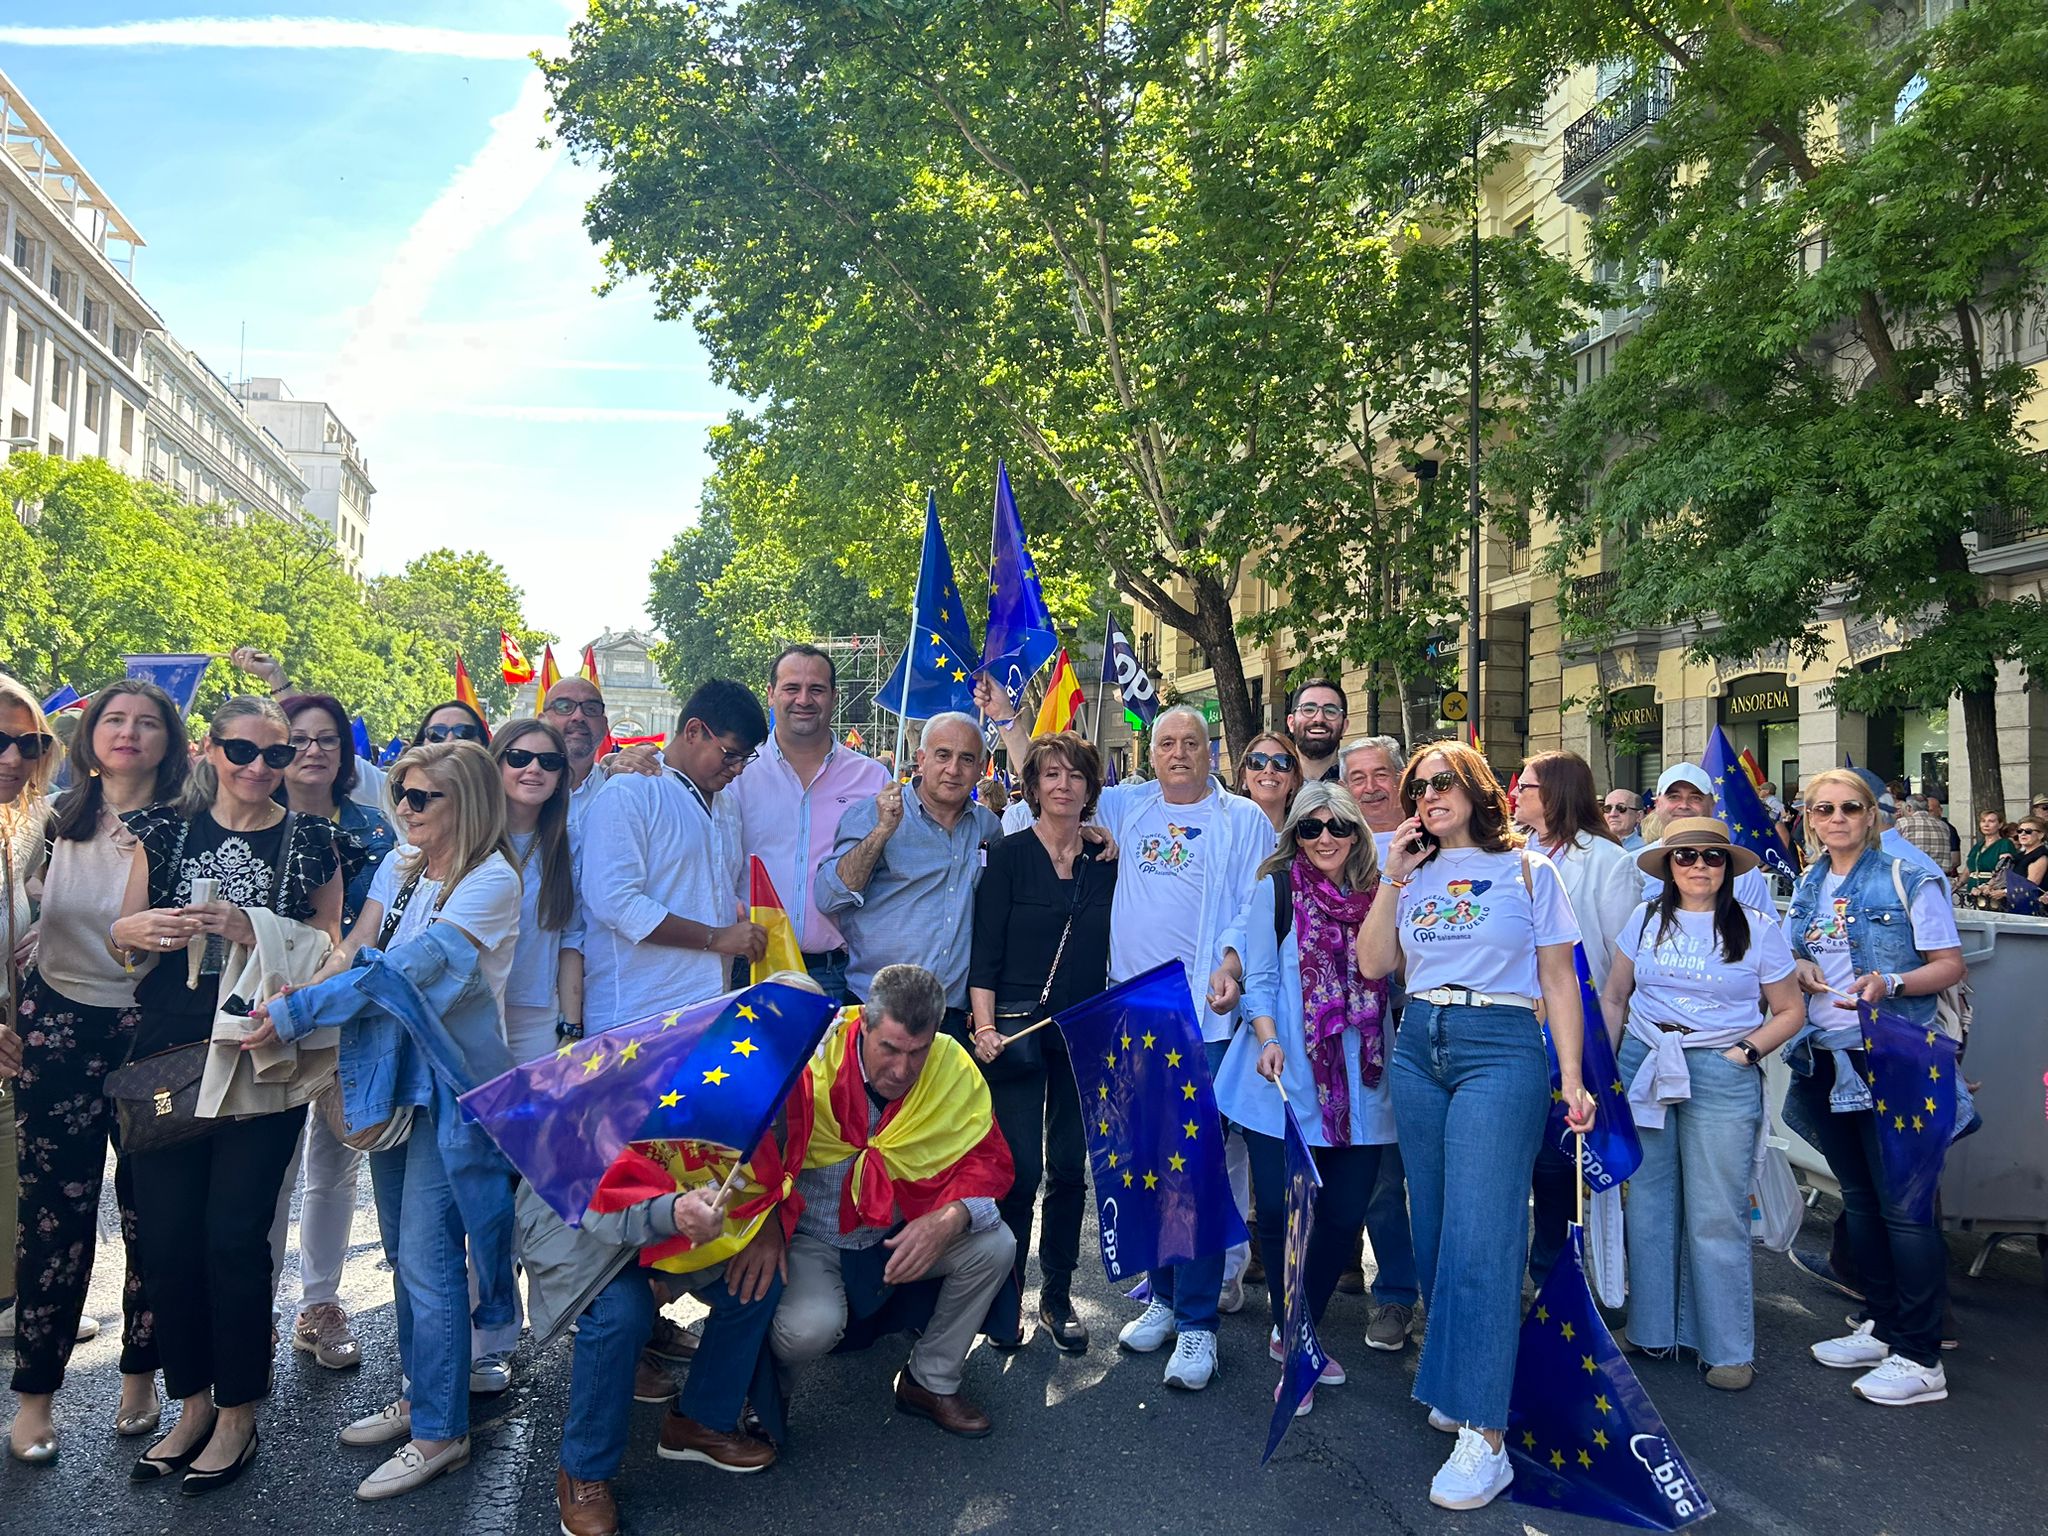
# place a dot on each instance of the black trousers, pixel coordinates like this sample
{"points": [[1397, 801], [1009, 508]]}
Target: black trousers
{"points": [[1349, 1175], [204, 1212], [1039, 1110], [66, 1121]]}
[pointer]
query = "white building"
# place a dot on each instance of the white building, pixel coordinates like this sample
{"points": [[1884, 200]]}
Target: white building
{"points": [[203, 443], [71, 322], [337, 477]]}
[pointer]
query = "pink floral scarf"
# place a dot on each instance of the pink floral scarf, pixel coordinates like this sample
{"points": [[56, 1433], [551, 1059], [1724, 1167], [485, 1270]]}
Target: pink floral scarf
{"points": [[1334, 997]]}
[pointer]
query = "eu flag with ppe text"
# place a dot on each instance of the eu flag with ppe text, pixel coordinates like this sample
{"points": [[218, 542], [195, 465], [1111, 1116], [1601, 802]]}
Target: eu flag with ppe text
{"points": [[1019, 640], [1304, 1359], [1912, 1077], [1582, 1433], [1750, 824], [941, 659], [1155, 1137], [716, 1071], [1612, 1150]]}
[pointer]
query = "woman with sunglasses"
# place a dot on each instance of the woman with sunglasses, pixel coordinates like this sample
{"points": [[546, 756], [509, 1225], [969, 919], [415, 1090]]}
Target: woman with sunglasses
{"points": [[2031, 859], [1320, 1031], [320, 782], [1269, 774], [544, 998], [203, 1208], [1485, 932], [78, 1017], [1556, 803], [1868, 926], [1704, 988]]}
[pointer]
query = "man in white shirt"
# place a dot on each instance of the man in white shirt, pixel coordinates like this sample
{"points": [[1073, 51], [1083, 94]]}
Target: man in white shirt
{"points": [[658, 868]]}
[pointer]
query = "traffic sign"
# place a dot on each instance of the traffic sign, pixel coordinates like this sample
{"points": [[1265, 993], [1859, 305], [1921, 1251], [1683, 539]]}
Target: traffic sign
{"points": [[1452, 705]]}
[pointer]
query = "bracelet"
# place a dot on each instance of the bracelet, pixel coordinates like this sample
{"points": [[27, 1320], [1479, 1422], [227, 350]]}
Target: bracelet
{"points": [[564, 1030], [1269, 1040], [1749, 1050], [1399, 885]]}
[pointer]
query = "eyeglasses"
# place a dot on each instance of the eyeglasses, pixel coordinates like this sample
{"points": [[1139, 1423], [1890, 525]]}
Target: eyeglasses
{"points": [[1613, 808], [1259, 762], [1309, 828], [1443, 783], [590, 709], [31, 744], [1713, 858], [326, 741], [1824, 811], [420, 799], [242, 753], [519, 757], [1522, 784], [1326, 711], [733, 758], [455, 733]]}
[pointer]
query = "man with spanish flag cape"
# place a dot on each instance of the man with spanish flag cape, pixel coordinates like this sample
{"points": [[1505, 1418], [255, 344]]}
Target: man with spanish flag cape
{"points": [[902, 1166]]}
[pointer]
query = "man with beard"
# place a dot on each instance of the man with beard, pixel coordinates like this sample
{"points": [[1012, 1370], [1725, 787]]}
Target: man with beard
{"points": [[1315, 719], [577, 710], [791, 804]]}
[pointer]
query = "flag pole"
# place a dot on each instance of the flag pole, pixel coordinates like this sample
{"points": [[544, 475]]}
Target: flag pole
{"points": [[1579, 1177], [909, 652], [1102, 682]]}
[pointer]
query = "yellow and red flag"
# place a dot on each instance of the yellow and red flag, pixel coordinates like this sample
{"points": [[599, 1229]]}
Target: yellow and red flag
{"points": [[550, 674], [465, 692], [765, 907], [1062, 706], [1750, 767], [512, 660], [854, 738], [590, 663], [647, 1170]]}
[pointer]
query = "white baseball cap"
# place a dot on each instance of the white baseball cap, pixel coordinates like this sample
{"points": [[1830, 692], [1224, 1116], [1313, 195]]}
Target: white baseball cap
{"points": [[1684, 773]]}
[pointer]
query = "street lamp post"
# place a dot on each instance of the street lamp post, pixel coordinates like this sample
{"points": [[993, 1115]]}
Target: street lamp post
{"points": [[1472, 466]]}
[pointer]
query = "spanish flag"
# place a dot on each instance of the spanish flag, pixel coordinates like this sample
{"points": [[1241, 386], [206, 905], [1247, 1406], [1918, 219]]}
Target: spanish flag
{"points": [[765, 907], [464, 692], [550, 674], [853, 738], [590, 663], [512, 660], [1750, 767], [648, 1170], [936, 1144], [1062, 706]]}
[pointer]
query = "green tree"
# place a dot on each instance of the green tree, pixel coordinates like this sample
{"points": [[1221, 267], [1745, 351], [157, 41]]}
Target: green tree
{"points": [[460, 601], [1824, 410]]}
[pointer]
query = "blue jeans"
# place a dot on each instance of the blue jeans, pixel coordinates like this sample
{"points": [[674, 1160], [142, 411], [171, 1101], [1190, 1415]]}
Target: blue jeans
{"points": [[1690, 1278], [828, 970], [715, 1391], [609, 1337], [1471, 1093], [1194, 1289], [1386, 1228], [1349, 1175]]}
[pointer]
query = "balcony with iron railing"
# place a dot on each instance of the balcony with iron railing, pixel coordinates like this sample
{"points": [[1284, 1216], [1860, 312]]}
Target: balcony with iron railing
{"points": [[1595, 138]]}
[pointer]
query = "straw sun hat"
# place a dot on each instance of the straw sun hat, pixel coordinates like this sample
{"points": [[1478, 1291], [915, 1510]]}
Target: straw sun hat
{"points": [[1694, 832]]}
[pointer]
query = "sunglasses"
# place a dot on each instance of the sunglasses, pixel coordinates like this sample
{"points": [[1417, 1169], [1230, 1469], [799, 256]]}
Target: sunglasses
{"points": [[519, 757], [327, 741], [1824, 811], [590, 709], [1713, 858], [1309, 828], [1443, 783], [242, 753], [1258, 762], [420, 799], [455, 733], [31, 744], [1617, 810]]}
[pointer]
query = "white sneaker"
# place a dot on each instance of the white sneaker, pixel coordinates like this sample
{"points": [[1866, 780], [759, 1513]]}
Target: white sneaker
{"points": [[1194, 1360], [1232, 1297], [1899, 1383], [7, 1321], [1474, 1476], [408, 1469], [1149, 1329], [391, 1422], [88, 1327], [490, 1374], [1443, 1422], [1857, 1351]]}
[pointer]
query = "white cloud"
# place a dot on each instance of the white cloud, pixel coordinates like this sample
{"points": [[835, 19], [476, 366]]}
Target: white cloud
{"points": [[328, 32]]}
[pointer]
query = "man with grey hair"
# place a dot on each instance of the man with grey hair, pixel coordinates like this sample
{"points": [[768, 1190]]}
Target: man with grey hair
{"points": [[900, 880], [1371, 770]]}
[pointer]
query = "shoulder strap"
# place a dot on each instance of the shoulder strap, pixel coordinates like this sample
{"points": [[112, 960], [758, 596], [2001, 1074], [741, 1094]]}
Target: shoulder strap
{"points": [[1283, 905], [398, 905], [1899, 882], [284, 861], [1528, 880]]}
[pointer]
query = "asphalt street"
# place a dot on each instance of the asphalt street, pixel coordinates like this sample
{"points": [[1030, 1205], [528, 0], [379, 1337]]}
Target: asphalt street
{"points": [[1095, 1443]]}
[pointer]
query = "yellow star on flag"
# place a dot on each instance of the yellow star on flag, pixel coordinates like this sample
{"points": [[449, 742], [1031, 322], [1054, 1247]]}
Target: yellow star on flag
{"points": [[1151, 1181], [1173, 1058], [744, 1048], [1568, 1331], [1917, 1125], [672, 1020], [1150, 1039], [744, 1012], [1934, 1074], [1602, 1404], [1112, 1159], [1587, 1362], [1930, 1106], [1102, 1090], [1543, 1314], [959, 676], [1187, 1090], [1585, 1460], [671, 1099], [1110, 1057], [1898, 1122], [716, 1076], [1177, 1163], [1528, 1441], [1557, 1460], [1883, 1108], [1126, 1042], [632, 1049], [1600, 1438], [1102, 1127], [1127, 1181], [593, 1061], [1190, 1128]]}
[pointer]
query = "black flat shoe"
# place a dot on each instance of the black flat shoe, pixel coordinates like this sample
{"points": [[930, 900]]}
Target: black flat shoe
{"points": [[1067, 1330], [197, 1483], [154, 1469]]}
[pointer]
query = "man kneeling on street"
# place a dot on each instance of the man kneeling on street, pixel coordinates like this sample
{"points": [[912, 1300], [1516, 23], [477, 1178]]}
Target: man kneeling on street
{"points": [[902, 1168]]}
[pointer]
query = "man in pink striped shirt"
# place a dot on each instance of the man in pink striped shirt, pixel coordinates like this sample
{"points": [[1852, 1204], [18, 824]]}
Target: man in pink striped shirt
{"points": [[791, 800]]}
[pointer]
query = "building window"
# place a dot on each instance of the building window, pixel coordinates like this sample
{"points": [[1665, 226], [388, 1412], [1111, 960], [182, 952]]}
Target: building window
{"points": [[60, 379], [57, 284], [18, 426], [92, 406], [127, 427], [56, 448], [89, 312], [24, 354], [24, 251]]}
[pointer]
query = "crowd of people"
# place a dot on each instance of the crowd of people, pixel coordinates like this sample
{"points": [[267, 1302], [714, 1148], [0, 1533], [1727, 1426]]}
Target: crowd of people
{"points": [[1380, 934]]}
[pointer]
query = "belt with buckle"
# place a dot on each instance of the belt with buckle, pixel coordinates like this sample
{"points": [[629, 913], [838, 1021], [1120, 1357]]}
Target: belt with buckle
{"points": [[1459, 997], [824, 956]]}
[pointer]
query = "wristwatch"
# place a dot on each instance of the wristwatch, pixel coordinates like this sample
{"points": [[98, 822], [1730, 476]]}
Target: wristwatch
{"points": [[564, 1030], [1755, 1056]]}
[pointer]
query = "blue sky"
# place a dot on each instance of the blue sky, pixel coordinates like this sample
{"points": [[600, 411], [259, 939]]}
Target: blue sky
{"points": [[381, 220]]}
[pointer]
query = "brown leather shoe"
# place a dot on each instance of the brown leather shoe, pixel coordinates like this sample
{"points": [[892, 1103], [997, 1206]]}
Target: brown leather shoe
{"points": [[953, 1413], [586, 1508], [652, 1382], [684, 1439], [671, 1342]]}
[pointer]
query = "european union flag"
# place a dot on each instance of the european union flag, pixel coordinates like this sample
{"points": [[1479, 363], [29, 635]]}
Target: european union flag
{"points": [[1584, 1436], [1749, 819], [1019, 640], [359, 729], [717, 1071], [63, 698], [1912, 1077], [1304, 1357], [1612, 1150], [177, 675], [1155, 1137], [390, 754], [941, 659]]}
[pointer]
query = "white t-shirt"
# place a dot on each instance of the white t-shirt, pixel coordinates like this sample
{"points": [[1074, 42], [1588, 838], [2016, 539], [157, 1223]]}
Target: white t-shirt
{"points": [[1683, 979], [1466, 921], [485, 906], [1157, 914], [1827, 940]]}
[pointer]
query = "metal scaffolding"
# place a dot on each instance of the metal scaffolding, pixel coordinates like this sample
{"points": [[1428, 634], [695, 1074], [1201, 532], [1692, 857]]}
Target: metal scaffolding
{"points": [[863, 663]]}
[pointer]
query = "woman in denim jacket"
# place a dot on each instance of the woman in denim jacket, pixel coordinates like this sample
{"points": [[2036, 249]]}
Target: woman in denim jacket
{"points": [[1857, 941]]}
